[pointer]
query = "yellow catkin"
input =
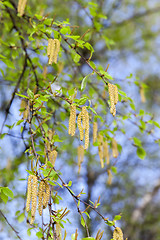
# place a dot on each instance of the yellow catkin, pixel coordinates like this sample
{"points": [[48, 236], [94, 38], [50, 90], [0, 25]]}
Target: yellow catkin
{"points": [[109, 181], [100, 150], [58, 232], [117, 234], [53, 156], [21, 7], [47, 144], [114, 148], [95, 129], [52, 50], [34, 196], [84, 112], [86, 144], [114, 111], [80, 151], [49, 47], [104, 94], [40, 197], [46, 195], [106, 152], [115, 94], [50, 134], [22, 106], [44, 72], [29, 192], [142, 94], [111, 95], [32, 220], [57, 48], [80, 125], [26, 112], [72, 121]]}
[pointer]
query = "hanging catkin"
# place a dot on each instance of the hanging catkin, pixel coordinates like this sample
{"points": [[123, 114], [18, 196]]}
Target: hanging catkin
{"points": [[40, 197], [34, 198], [84, 114], [80, 125], [80, 151], [106, 151], [58, 232], [46, 195], [86, 130], [113, 94], [114, 148], [29, 192], [72, 120], [117, 234], [52, 50], [109, 181], [100, 149], [21, 7], [95, 129], [142, 94], [53, 156]]}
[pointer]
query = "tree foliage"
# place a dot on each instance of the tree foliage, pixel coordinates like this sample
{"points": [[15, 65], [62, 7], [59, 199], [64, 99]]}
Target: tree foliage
{"points": [[78, 130]]}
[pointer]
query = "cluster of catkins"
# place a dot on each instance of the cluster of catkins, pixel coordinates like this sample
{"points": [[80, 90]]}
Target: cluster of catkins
{"points": [[43, 194], [82, 123], [53, 50], [83, 126]]}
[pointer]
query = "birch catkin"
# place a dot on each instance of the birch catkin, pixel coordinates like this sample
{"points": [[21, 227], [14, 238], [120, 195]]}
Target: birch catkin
{"points": [[106, 151], [53, 50], [95, 129], [100, 150], [53, 156], [46, 195], [58, 232], [21, 7], [40, 197], [117, 234], [113, 94], [80, 125], [72, 121], [84, 113], [80, 151], [29, 192], [86, 130], [34, 196], [114, 148], [109, 181]]}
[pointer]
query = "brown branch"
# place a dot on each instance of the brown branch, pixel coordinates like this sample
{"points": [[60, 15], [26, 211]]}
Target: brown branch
{"points": [[24, 47], [14, 92], [16, 232], [85, 60], [79, 211]]}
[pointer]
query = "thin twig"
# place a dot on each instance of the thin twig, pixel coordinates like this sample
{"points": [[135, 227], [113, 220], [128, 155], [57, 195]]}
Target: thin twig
{"points": [[16, 232]]}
